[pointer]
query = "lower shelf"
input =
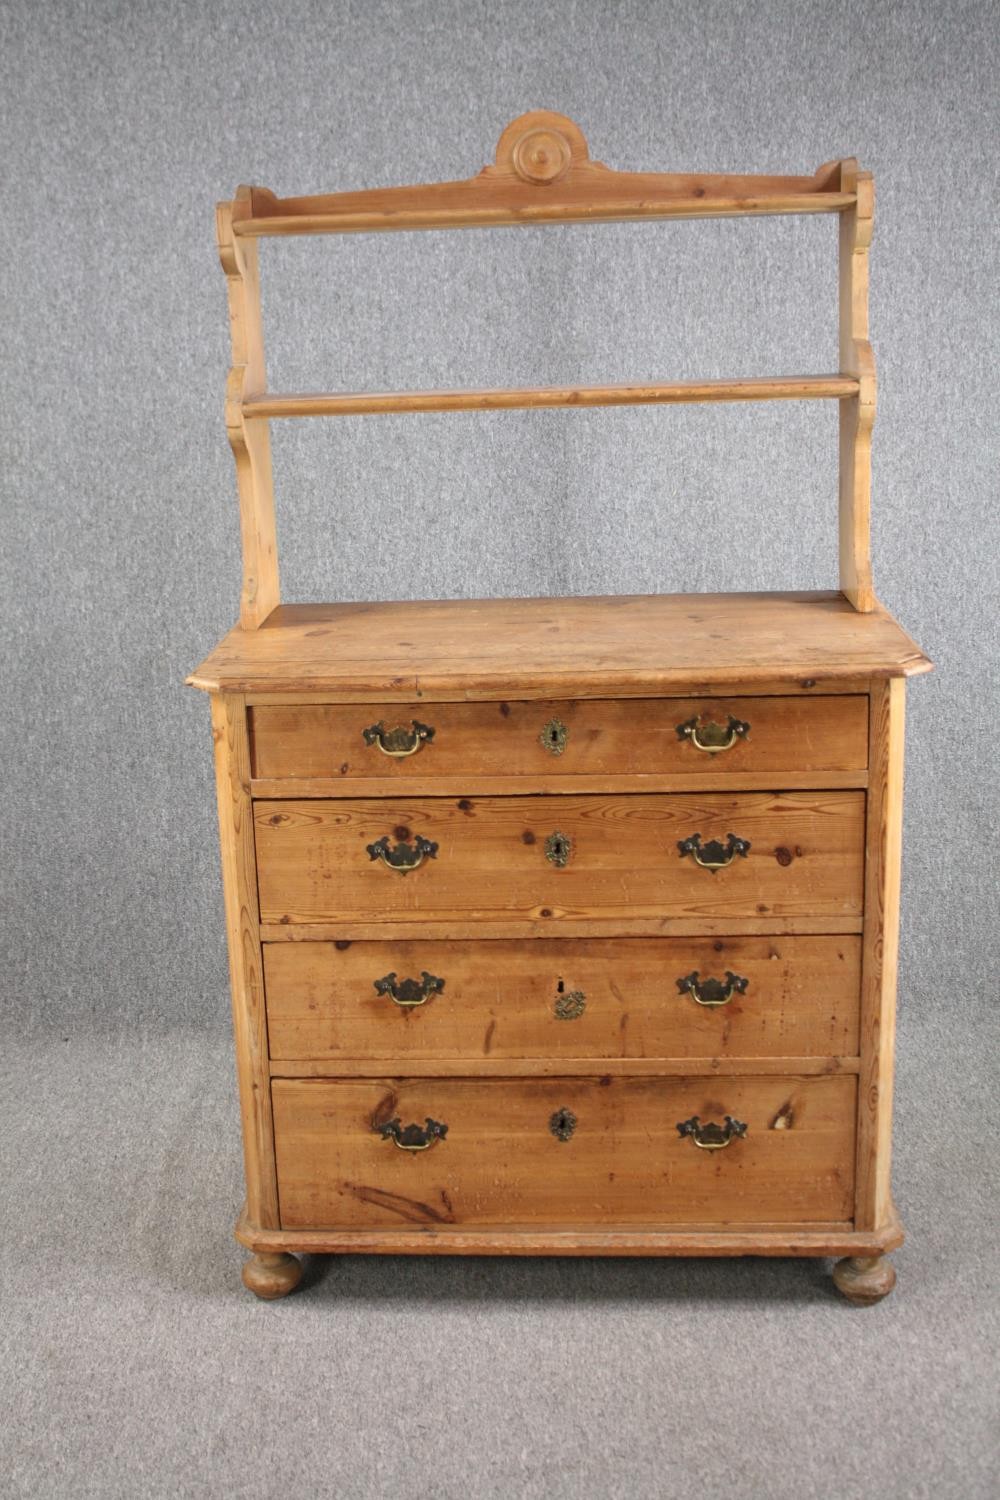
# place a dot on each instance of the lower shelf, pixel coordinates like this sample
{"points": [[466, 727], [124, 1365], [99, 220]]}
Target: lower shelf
{"points": [[679, 1240]]}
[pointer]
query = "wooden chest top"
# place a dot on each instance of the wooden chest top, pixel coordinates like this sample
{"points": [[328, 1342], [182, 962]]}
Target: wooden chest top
{"points": [[592, 647]]}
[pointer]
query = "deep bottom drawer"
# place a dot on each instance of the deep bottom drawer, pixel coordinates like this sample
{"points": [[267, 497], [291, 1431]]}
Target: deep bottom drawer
{"points": [[563, 1151]]}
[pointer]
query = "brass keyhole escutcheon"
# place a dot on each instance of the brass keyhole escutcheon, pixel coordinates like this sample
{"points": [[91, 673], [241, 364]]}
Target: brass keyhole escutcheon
{"points": [[562, 1124], [570, 1005], [554, 736], [558, 848]]}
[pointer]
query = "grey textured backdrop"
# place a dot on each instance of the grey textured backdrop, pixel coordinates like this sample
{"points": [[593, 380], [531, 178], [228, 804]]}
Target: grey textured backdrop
{"points": [[122, 124]]}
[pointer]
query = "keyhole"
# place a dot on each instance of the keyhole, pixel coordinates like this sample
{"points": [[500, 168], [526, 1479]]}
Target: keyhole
{"points": [[560, 988], [553, 737], [557, 849]]}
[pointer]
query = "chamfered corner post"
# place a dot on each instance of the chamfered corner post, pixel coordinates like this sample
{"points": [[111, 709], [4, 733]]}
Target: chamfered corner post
{"points": [[249, 438], [857, 414], [879, 960], [239, 884]]}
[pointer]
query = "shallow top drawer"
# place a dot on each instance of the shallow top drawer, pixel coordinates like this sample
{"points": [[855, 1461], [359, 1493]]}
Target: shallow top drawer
{"points": [[638, 736]]}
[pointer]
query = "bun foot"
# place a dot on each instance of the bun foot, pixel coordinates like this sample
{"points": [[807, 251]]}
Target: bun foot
{"points": [[864, 1281], [270, 1276]]}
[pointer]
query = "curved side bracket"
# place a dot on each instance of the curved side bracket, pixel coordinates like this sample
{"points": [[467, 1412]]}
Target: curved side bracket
{"points": [[250, 441], [857, 415]]}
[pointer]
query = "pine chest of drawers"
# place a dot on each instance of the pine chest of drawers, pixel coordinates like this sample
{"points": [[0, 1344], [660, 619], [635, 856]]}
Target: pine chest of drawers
{"points": [[557, 926]]}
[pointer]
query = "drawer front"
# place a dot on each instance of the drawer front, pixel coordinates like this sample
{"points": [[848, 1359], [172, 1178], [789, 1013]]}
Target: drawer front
{"points": [[714, 736], [564, 998], [494, 858], [564, 1151]]}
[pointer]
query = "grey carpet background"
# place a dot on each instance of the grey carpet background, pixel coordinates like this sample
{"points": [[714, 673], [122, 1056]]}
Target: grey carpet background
{"points": [[135, 1363]]}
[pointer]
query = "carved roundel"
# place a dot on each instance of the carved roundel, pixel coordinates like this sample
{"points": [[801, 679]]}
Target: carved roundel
{"points": [[542, 156]]}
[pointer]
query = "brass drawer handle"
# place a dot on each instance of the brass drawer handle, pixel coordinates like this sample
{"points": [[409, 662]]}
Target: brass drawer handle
{"points": [[412, 991], [712, 1137], [405, 857], [711, 737], [412, 1137], [714, 855], [398, 742], [712, 992]]}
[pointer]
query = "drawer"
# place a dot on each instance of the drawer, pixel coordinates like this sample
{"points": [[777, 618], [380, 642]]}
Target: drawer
{"points": [[564, 998], [714, 736], [563, 1151], [781, 855]]}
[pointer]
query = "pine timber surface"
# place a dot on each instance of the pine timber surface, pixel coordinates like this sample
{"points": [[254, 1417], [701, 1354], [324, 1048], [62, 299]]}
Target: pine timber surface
{"points": [[623, 645]]}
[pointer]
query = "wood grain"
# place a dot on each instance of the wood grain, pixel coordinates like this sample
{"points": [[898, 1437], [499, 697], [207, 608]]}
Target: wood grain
{"points": [[806, 857], [625, 1162], [880, 954], [633, 646], [602, 738], [501, 1000], [232, 766]]}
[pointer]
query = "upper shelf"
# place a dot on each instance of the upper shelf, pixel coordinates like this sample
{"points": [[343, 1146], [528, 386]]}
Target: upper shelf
{"points": [[543, 174]]}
